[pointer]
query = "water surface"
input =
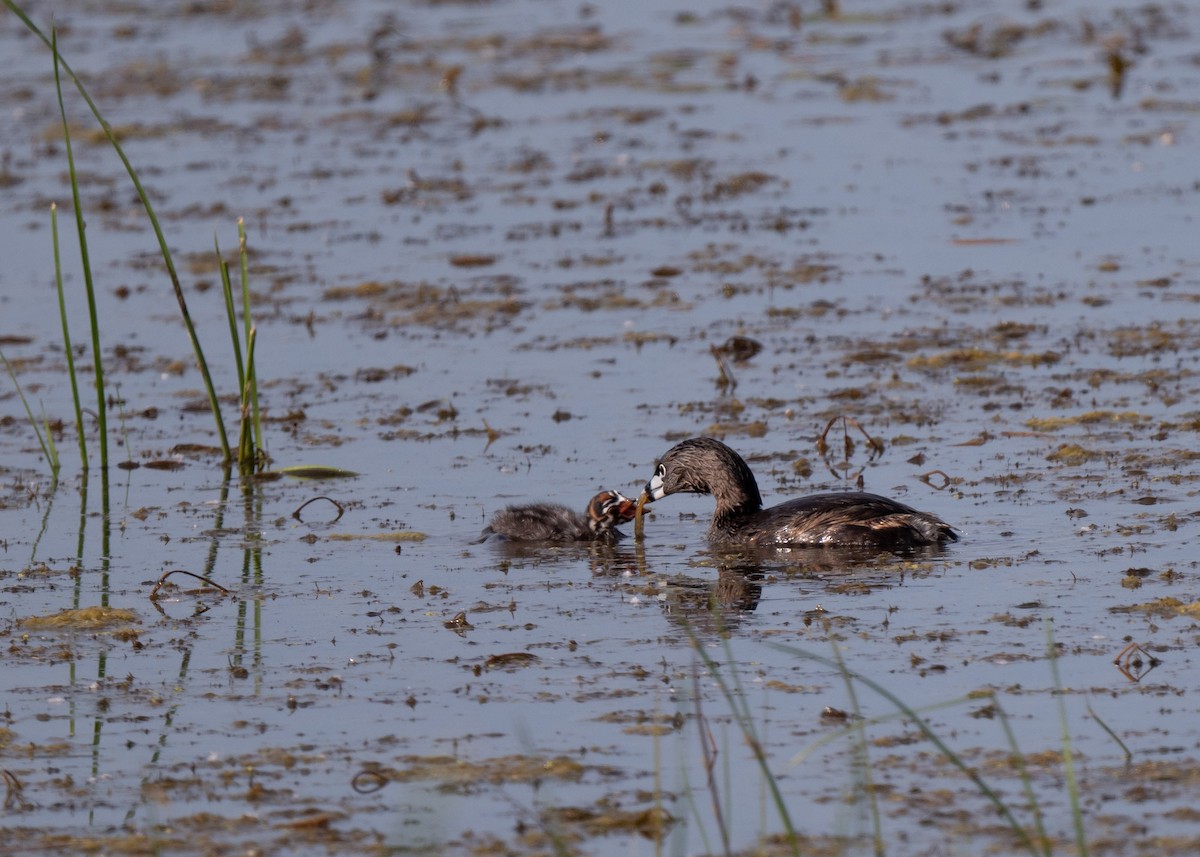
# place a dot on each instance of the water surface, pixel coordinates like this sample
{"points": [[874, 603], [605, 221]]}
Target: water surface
{"points": [[491, 246]]}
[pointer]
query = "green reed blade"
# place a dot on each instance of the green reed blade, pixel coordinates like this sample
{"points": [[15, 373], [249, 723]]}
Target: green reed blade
{"points": [[247, 447], [231, 315], [50, 447], [62, 312], [169, 262], [1068, 759], [860, 752], [1111, 734], [931, 736], [801, 756], [85, 262], [51, 460], [243, 257], [736, 699], [1023, 770]]}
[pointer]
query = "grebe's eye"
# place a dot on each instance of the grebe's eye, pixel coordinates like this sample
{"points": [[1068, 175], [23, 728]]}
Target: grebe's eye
{"points": [[660, 471]]}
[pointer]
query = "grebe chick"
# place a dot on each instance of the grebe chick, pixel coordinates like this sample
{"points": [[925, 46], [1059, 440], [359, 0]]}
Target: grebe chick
{"points": [[550, 522], [702, 465]]}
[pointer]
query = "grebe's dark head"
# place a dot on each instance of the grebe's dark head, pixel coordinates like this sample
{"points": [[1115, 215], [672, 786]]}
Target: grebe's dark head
{"points": [[702, 465]]}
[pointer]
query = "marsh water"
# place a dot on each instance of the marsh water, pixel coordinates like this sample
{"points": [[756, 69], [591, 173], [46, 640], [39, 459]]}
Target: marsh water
{"points": [[491, 248]]}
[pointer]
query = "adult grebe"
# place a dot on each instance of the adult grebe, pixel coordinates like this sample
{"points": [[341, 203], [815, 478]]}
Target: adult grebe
{"points": [[702, 465]]}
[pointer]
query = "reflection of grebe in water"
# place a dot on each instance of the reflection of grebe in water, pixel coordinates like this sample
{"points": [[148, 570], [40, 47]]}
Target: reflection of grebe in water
{"points": [[702, 465], [549, 522], [713, 605]]}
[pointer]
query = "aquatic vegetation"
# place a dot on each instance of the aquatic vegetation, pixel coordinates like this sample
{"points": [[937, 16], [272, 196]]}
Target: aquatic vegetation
{"points": [[250, 442], [1031, 835]]}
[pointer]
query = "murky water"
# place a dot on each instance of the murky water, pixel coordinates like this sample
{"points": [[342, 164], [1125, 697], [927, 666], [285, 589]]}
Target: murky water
{"points": [[491, 246]]}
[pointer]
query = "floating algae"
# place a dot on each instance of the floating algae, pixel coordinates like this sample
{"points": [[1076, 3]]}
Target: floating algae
{"points": [[81, 619]]}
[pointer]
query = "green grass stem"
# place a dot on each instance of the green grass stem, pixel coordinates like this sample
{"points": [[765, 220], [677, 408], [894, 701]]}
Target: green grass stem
{"points": [[931, 736], [250, 432], [833, 737], [84, 260], [1111, 734], [62, 312], [1023, 771], [231, 315], [736, 698], [694, 806], [201, 363], [248, 320], [1068, 757], [55, 464], [861, 755], [47, 448], [247, 449], [708, 752]]}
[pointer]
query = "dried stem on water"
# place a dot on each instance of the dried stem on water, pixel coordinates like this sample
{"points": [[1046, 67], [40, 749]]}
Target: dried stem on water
{"points": [[162, 580], [340, 509]]}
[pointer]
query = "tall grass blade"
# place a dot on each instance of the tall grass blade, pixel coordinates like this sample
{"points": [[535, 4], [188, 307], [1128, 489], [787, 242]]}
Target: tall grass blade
{"points": [[244, 260], [230, 314], [689, 794], [62, 311], [1026, 782], [832, 737], [250, 429], [1068, 759], [708, 752], [736, 699], [85, 261], [201, 363], [1111, 734], [51, 460], [861, 755], [247, 450], [51, 448], [931, 736]]}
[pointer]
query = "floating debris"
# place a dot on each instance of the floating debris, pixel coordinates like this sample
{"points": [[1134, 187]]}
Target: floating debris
{"points": [[81, 619]]}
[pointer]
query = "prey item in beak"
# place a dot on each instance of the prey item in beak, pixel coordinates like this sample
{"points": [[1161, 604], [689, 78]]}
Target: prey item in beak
{"points": [[639, 520], [626, 508]]}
